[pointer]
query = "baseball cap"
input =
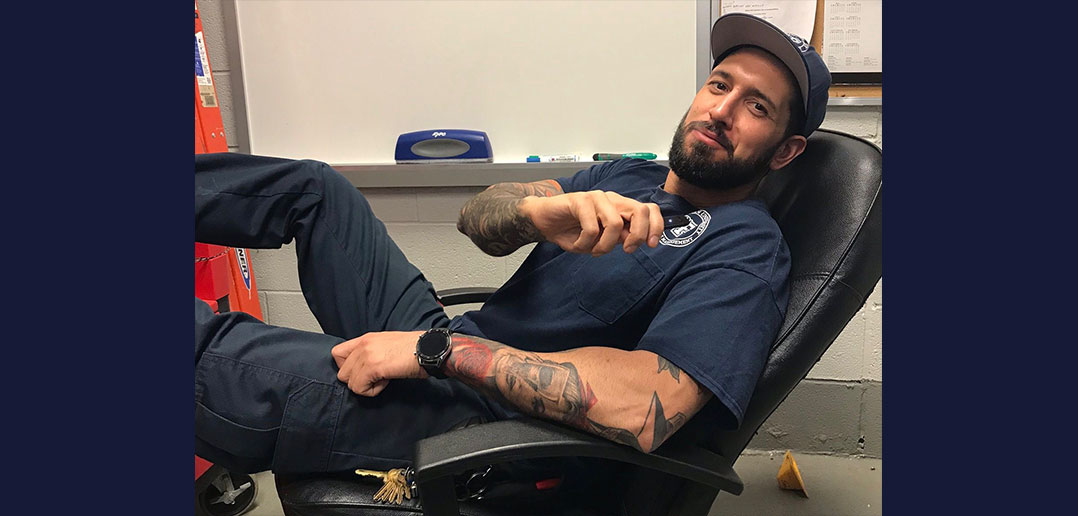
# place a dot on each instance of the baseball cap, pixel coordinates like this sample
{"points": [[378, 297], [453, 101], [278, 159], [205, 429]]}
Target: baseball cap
{"points": [[813, 77]]}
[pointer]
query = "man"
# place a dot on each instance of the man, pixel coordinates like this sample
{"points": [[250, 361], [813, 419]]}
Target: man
{"points": [[628, 344]]}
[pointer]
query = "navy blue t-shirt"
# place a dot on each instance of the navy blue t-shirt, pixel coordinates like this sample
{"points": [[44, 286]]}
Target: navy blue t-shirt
{"points": [[710, 298]]}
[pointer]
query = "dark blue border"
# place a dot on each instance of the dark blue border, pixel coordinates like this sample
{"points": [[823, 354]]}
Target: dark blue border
{"points": [[105, 246], [99, 227], [967, 181]]}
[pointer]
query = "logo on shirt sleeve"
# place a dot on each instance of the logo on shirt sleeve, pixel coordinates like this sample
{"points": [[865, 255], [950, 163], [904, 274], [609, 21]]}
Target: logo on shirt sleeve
{"points": [[687, 234]]}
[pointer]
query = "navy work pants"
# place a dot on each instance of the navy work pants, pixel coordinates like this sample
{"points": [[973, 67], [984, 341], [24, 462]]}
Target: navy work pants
{"points": [[268, 397]]}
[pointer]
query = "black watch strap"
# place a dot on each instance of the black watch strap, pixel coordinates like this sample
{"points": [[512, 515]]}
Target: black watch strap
{"points": [[432, 350]]}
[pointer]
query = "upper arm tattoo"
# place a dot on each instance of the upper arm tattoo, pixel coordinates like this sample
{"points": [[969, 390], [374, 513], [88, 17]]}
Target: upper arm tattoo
{"points": [[669, 366], [493, 222]]}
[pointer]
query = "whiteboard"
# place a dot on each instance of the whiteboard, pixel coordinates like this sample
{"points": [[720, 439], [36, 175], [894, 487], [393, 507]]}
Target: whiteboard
{"points": [[339, 80]]}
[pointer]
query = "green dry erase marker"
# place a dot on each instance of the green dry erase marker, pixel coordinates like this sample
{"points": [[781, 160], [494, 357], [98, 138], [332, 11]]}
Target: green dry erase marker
{"points": [[604, 156]]}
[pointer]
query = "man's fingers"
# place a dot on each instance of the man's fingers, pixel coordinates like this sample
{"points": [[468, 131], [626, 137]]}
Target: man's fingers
{"points": [[346, 365], [360, 376], [366, 387], [612, 224], [606, 218], [584, 211], [376, 388], [655, 228], [337, 358], [352, 366], [341, 351], [357, 383], [376, 358], [639, 228], [645, 221]]}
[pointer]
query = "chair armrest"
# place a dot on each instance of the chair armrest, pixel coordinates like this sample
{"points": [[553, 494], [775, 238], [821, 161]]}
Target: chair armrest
{"points": [[464, 295], [440, 457]]}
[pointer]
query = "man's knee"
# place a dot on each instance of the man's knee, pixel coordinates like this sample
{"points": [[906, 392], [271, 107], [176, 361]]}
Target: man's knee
{"points": [[330, 181]]}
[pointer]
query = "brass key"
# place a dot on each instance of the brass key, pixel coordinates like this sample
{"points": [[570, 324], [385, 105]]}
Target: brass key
{"points": [[394, 486]]}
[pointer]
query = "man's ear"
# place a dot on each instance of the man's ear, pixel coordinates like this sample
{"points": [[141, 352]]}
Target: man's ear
{"points": [[787, 151]]}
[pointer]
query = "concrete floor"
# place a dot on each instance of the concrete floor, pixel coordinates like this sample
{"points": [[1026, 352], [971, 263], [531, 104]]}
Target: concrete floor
{"points": [[836, 486]]}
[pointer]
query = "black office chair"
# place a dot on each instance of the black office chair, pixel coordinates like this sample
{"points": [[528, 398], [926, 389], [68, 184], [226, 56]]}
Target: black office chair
{"points": [[828, 205]]}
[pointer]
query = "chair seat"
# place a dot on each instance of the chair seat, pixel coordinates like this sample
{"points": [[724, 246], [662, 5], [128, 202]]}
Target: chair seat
{"points": [[345, 494]]}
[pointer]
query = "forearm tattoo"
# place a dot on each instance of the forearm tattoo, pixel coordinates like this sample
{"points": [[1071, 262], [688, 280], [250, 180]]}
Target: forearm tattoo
{"points": [[548, 389], [493, 222], [663, 427]]}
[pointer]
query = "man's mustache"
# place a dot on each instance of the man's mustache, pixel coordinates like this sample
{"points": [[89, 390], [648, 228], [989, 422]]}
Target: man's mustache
{"points": [[713, 132]]}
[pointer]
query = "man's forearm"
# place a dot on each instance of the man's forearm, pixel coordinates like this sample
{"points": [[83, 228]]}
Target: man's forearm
{"points": [[493, 221], [599, 390]]}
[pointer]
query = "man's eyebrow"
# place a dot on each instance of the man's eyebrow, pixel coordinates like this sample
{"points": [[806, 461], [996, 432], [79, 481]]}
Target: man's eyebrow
{"points": [[752, 91], [720, 73]]}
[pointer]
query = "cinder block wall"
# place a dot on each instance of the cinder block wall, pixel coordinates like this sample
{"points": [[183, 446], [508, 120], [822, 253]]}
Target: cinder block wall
{"points": [[837, 409]]}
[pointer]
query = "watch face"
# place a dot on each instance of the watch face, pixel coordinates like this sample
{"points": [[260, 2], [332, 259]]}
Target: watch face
{"points": [[431, 344]]}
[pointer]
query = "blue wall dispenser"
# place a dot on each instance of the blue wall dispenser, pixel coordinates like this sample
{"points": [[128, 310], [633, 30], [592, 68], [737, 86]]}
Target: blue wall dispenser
{"points": [[444, 146]]}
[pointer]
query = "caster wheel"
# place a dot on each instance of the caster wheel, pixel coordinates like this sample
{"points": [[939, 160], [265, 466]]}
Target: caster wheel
{"points": [[219, 492]]}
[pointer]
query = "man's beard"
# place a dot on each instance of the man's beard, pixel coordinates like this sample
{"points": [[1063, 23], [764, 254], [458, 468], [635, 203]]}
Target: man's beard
{"points": [[697, 167]]}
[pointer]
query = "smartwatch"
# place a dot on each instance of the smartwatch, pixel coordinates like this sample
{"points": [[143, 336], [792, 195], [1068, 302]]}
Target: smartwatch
{"points": [[432, 349]]}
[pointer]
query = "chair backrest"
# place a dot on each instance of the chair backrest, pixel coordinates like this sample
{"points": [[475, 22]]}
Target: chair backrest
{"points": [[828, 204]]}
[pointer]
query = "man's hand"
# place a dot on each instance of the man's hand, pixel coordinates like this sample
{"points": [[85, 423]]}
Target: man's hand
{"points": [[367, 363], [594, 222]]}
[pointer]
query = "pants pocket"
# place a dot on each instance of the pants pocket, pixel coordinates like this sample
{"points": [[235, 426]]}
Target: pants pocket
{"points": [[264, 415], [305, 440], [255, 444]]}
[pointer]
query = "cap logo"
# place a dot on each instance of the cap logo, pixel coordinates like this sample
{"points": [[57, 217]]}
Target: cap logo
{"points": [[801, 44]]}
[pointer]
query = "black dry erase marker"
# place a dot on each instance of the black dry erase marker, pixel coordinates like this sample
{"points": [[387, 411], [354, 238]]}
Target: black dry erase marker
{"points": [[675, 221]]}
